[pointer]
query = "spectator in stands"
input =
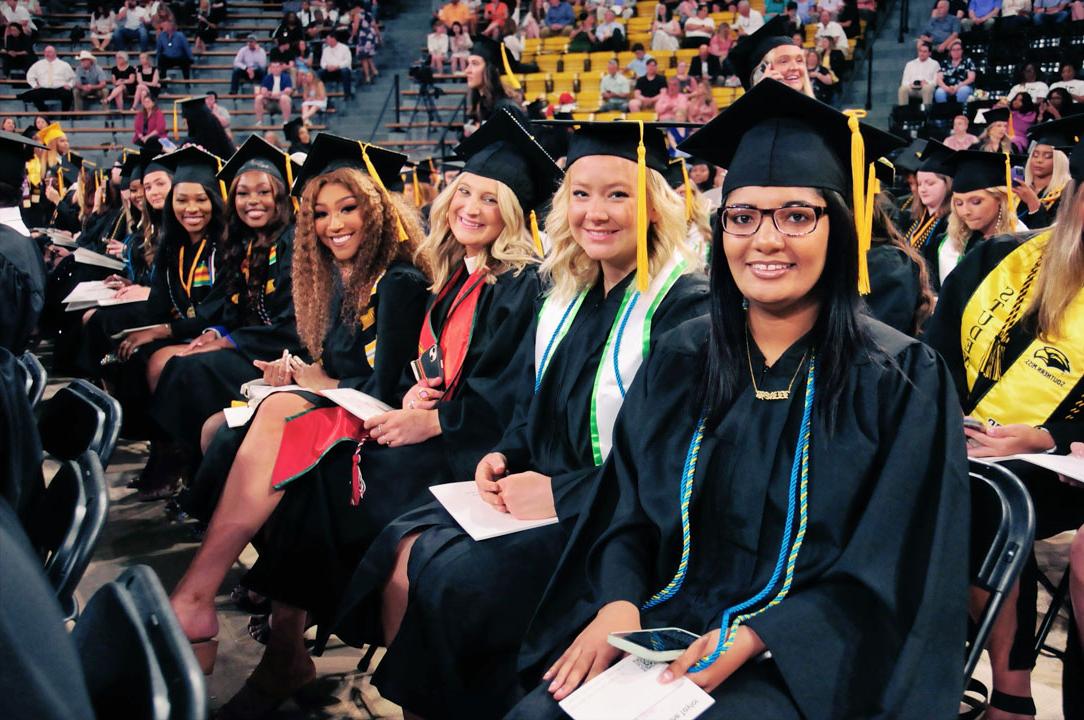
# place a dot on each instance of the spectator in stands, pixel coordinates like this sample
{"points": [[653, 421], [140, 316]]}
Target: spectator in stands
{"points": [[1047, 12], [559, 18], [610, 33], [830, 58], [173, 50], [276, 87], [919, 77], [494, 16], [460, 43], [807, 11], [792, 21], [313, 95], [699, 29], [666, 34], [721, 41], [249, 64], [747, 21], [49, 79], [366, 40], [1076, 12], [614, 88], [702, 105], [956, 80], [150, 122], [283, 53], [671, 102], [1015, 14], [639, 61], [438, 46], [8, 125], [160, 13], [981, 14], [685, 81], [960, 138], [457, 11], [221, 114], [132, 22], [18, 50], [1029, 83], [648, 88], [829, 28], [335, 65], [1058, 104], [995, 138], [291, 31], [206, 25], [90, 81], [685, 9], [582, 38], [14, 12], [706, 67], [942, 29], [847, 18], [821, 78], [1024, 113], [103, 23], [148, 81], [1069, 81]]}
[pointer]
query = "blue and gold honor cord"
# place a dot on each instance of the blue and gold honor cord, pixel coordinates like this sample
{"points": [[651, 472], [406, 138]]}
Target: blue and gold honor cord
{"points": [[797, 497]]}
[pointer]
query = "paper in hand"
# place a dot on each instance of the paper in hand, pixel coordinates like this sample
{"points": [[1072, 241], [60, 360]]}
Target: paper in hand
{"points": [[478, 518], [631, 690]]}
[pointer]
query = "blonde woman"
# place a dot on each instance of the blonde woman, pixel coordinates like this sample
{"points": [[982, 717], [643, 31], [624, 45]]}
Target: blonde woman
{"points": [[995, 138], [771, 53], [1045, 175], [1004, 379], [424, 572], [313, 94]]}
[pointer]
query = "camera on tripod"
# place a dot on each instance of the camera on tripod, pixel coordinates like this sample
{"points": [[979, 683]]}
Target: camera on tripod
{"points": [[422, 73]]}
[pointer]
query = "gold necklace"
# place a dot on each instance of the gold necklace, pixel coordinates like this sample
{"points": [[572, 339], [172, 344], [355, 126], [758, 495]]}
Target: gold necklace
{"points": [[770, 394]]}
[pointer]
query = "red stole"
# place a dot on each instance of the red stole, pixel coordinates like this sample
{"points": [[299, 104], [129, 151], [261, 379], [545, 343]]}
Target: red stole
{"points": [[458, 326]]}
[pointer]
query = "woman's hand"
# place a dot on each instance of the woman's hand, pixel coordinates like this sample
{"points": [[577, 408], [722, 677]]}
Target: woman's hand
{"points": [[115, 248], [311, 376], [275, 372], [137, 339], [116, 282], [403, 427], [1076, 450], [207, 342], [491, 468], [1002, 440], [590, 653], [52, 195], [528, 495], [423, 395], [133, 292], [1027, 196], [747, 644]]}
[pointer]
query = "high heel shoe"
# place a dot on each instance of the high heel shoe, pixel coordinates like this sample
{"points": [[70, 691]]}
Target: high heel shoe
{"points": [[206, 651]]}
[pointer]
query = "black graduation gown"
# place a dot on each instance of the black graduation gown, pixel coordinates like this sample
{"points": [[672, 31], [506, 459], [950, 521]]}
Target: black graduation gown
{"points": [[193, 388], [20, 447], [874, 623], [312, 543], [929, 249], [894, 287], [1042, 217], [470, 602], [1058, 507], [402, 294], [22, 289]]}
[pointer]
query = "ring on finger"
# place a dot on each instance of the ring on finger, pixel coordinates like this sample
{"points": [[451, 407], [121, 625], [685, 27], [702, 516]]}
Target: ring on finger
{"points": [[411, 404]]}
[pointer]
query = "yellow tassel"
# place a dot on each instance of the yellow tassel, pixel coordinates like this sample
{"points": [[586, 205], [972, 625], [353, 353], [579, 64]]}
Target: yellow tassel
{"points": [[380, 184], [176, 126], [690, 201], [222, 183], [536, 236], [417, 190], [510, 78], [60, 180], [1008, 185], [642, 269], [862, 225], [290, 182]]}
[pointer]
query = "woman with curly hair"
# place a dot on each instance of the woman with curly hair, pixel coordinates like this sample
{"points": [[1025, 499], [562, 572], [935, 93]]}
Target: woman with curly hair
{"points": [[618, 273], [358, 301]]}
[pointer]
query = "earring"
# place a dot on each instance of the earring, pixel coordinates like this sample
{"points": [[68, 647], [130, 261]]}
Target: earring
{"points": [[745, 303], [997, 223]]}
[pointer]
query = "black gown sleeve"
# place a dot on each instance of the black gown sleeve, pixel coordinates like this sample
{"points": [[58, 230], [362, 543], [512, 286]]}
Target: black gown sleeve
{"points": [[262, 342], [894, 287], [209, 312], [22, 300]]}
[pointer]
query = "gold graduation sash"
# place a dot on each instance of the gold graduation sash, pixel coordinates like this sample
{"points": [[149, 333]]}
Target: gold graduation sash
{"points": [[1037, 382]]}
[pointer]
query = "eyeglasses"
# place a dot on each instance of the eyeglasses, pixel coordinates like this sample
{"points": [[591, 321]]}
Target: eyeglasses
{"points": [[792, 221]]}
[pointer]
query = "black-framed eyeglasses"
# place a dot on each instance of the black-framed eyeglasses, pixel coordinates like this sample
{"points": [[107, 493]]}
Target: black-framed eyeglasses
{"points": [[792, 221]]}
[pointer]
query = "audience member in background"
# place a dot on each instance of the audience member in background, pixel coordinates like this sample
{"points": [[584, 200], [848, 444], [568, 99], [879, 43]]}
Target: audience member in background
{"points": [[919, 77], [148, 81], [671, 102], [49, 79], [460, 43], [150, 122], [956, 80], [297, 134], [221, 114], [8, 125], [666, 34], [648, 88], [699, 29], [615, 89], [335, 63], [1050, 13], [173, 50], [249, 64], [438, 45], [747, 21], [610, 33], [103, 23], [995, 138], [313, 94], [685, 81], [847, 17], [283, 53], [277, 88], [160, 14], [1045, 176], [706, 67], [1058, 104], [366, 42], [494, 16], [823, 79], [559, 19], [1029, 83], [1015, 15], [1024, 114], [1069, 81], [18, 50], [582, 38], [290, 29], [721, 41], [13, 12], [702, 105], [90, 81], [124, 82], [792, 20], [132, 22], [981, 14], [458, 11], [206, 26], [942, 29], [640, 58], [960, 138], [828, 27]]}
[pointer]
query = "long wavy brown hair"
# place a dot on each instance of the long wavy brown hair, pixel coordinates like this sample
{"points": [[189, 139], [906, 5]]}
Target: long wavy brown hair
{"points": [[315, 272]]}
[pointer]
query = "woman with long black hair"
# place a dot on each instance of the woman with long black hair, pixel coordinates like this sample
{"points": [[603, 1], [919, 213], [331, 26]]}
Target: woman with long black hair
{"points": [[490, 84], [787, 476]]}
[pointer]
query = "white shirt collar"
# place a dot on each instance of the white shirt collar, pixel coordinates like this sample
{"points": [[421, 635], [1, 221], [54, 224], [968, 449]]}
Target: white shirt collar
{"points": [[13, 218], [471, 263]]}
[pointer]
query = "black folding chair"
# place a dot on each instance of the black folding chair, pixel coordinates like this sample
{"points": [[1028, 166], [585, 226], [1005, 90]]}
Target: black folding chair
{"points": [[1008, 551], [80, 417], [90, 530], [36, 377], [113, 417]]}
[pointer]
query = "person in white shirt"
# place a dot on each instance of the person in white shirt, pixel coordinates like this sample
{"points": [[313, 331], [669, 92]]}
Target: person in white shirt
{"points": [[610, 33], [335, 64], [832, 6], [699, 29], [919, 77], [829, 28], [1031, 84], [132, 22], [14, 12], [1069, 81], [747, 21], [50, 79], [438, 46], [615, 89]]}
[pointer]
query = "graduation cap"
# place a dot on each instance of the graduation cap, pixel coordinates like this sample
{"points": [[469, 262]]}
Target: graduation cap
{"points": [[885, 172], [131, 168], [747, 53], [15, 150], [495, 54], [331, 152], [1061, 134], [997, 114], [290, 129], [258, 154], [191, 164], [149, 155], [190, 107], [677, 175], [936, 158], [973, 170], [50, 132], [910, 158], [774, 136]]}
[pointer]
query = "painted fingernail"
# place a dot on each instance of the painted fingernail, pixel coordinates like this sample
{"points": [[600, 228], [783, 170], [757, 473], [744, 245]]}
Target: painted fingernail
{"points": [[553, 686], [666, 677]]}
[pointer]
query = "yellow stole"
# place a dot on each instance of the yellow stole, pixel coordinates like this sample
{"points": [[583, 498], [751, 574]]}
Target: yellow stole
{"points": [[1037, 382]]}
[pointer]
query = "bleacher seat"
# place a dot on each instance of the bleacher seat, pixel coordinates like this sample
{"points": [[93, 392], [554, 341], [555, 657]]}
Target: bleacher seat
{"points": [[574, 62]]}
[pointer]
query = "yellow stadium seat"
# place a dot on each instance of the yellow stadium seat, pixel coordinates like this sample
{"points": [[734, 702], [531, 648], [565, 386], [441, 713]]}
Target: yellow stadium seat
{"points": [[642, 38], [563, 82], [588, 100], [723, 17], [574, 62], [609, 115], [532, 45], [665, 57], [599, 60], [685, 54], [639, 24], [557, 43], [810, 32], [625, 57], [644, 8], [586, 116], [548, 63], [526, 57], [645, 115], [535, 84]]}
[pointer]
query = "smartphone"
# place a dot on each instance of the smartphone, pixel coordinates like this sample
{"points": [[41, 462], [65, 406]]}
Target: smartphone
{"points": [[657, 645], [970, 422], [1017, 174]]}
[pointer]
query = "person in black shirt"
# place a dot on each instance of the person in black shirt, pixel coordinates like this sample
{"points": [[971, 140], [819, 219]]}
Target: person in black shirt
{"points": [[648, 88], [284, 53]]}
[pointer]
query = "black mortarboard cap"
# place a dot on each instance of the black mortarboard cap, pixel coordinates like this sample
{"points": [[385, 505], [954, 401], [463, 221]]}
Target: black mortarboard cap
{"points": [[331, 152], [998, 114], [937, 158], [489, 49], [289, 130], [149, 156], [503, 150], [619, 139], [192, 164], [747, 53], [30, 132], [191, 105], [973, 170], [258, 154], [675, 173], [885, 171], [1062, 134], [131, 168], [910, 158], [775, 136], [15, 150]]}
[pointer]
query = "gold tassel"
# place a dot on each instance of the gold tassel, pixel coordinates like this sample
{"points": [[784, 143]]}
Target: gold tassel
{"points": [[642, 269], [176, 125], [60, 180], [536, 236], [290, 182], [380, 184], [863, 227], [509, 77], [690, 201], [991, 365], [1008, 185], [417, 189]]}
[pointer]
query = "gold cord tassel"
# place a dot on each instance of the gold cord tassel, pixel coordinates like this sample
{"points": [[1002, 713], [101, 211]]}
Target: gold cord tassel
{"points": [[417, 189], [290, 182], [536, 236], [1008, 184], [509, 77], [176, 125], [642, 269], [690, 201], [222, 183], [60, 180], [863, 226], [380, 184]]}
